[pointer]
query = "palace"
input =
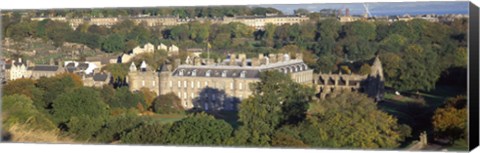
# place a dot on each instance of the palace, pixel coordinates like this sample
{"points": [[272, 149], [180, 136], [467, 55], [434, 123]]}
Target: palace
{"points": [[218, 86]]}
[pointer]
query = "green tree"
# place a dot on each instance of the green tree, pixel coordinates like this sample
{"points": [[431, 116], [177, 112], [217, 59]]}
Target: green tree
{"points": [[199, 129], [276, 100], [56, 86], [419, 70], [167, 104], [450, 120], [117, 127], [25, 87], [350, 120], [153, 133], [114, 43], [19, 109]]}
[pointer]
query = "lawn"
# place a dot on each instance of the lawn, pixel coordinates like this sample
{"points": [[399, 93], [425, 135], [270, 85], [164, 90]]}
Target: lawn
{"points": [[417, 112], [168, 118]]}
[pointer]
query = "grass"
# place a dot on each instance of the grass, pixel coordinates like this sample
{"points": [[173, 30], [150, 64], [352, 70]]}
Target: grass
{"points": [[415, 112], [168, 118], [22, 133]]}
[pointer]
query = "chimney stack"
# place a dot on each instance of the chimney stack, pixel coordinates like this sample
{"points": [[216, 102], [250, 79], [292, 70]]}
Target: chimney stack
{"points": [[233, 60], [272, 57], [19, 60]]}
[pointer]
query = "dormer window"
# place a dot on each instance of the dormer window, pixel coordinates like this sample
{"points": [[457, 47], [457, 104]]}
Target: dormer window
{"points": [[181, 72], [224, 73], [194, 72], [242, 74], [208, 73]]}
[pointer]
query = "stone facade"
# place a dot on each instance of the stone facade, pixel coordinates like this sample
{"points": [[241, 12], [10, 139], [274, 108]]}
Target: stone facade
{"points": [[371, 84], [96, 80], [143, 77], [223, 85], [259, 22], [19, 69]]}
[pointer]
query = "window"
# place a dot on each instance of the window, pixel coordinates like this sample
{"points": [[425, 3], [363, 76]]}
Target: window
{"points": [[179, 84], [208, 73], [240, 86], [143, 82], [185, 95], [242, 74], [179, 94], [170, 84], [192, 84], [206, 83], [231, 85], [224, 73], [194, 72], [153, 83], [193, 95], [181, 72], [184, 84]]}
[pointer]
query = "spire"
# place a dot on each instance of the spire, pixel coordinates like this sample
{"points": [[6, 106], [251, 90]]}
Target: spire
{"points": [[133, 67], [377, 69], [143, 65]]}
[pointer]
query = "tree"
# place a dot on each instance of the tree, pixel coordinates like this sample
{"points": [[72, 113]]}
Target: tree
{"points": [[25, 87], [123, 98], [365, 69], [419, 70], [288, 136], [199, 129], [167, 104], [57, 85], [450, 120], [350, 120], [148, 95], [276, 100], [114, 43], [81, 101], [117, 127], [19, 109], [153, 133]]}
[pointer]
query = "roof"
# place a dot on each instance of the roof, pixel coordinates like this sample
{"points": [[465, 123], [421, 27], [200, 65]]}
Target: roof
{"points": [[100, 77], [82, 66], [44, 68], [236, 71]]}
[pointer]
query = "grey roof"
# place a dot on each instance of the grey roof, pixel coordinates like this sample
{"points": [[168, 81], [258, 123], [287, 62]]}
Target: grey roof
{"points": [[235, 71], [8, 66], [100, 77], [44, 68], [82, 66]]}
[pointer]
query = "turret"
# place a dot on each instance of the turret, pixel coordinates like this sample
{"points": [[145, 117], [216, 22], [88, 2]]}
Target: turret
{"points": [[133, 67]]}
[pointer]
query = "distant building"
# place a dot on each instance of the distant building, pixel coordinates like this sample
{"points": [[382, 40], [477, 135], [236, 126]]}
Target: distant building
{"points": [[96, 79], [142, 77], [19, 69], [259, 22]]}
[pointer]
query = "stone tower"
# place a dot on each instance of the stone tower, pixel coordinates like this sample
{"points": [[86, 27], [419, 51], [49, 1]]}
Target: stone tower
{"points": [[375, 87], [143, 77], [164, 75]]}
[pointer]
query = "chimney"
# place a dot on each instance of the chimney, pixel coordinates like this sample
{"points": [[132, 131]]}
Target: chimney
{"points": [[19, 60], [244, 62], [255, 62], [273, 58], [280, 57], [242, 56], [233, 58], [299, 56]]}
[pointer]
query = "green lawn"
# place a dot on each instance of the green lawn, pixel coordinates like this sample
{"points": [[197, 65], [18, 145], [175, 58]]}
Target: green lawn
{"points": [[415, 113], [168, 118]]}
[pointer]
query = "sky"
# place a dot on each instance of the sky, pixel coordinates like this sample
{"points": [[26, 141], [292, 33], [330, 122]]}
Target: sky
{"points": [[385, 8]]}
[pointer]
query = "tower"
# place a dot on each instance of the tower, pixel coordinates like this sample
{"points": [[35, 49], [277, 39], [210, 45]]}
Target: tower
{"points": [[376, 80], [164, 77]]}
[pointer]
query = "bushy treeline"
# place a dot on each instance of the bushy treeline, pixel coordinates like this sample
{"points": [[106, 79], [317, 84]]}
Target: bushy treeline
{"points": [[415, 54], [280, 113]]}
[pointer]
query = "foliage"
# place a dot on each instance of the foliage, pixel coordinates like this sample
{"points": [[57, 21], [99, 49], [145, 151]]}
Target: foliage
{"points": [[167, 104], [148, 95], [154, 133], [288, 136], [123, 98], [57, 85], [351, 120], [19, 109], [199, 129], [80, 102], [365, 69], [276, 100], [25, 87], [117, 127], [450, 120]]}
